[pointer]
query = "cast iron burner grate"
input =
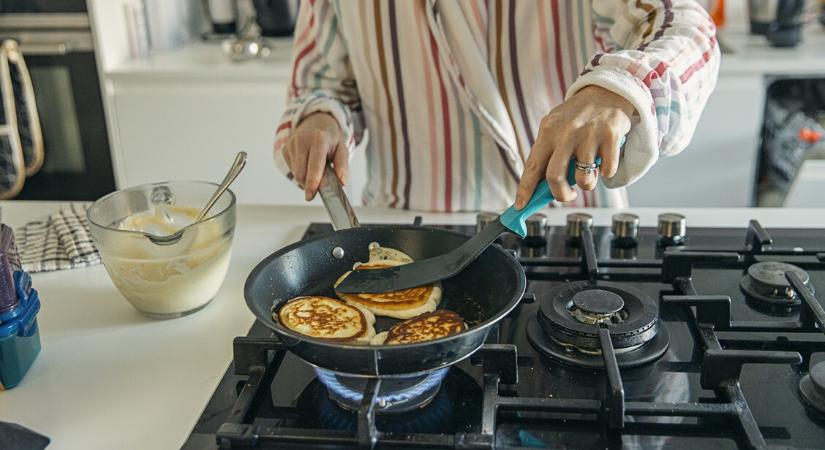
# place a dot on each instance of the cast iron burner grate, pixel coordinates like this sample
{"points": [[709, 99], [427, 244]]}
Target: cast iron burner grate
{"points": [[396, 395], [722, 345]]}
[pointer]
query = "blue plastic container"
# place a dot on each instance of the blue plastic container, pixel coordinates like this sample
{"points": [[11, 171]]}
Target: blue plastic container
{"points": [[19, 334]]}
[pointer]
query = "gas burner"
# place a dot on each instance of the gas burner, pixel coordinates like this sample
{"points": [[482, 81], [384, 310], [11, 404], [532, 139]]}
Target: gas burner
{"points": [[570, 312], [766, 282], [395, 395], [454, 409], [566, 325], [812, 388], [567, 354], [596, 306]]}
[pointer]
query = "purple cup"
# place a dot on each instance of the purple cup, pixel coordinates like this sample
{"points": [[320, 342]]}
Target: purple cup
{"points": [[8, 246], [8, 294]]}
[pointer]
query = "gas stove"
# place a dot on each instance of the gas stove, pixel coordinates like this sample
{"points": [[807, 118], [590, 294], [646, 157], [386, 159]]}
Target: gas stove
{"points": [[629, 336]]}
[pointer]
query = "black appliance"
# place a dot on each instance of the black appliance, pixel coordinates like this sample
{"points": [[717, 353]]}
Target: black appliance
{"points": [[634, 337], [778, 20], [55, 38], [276, 17]]}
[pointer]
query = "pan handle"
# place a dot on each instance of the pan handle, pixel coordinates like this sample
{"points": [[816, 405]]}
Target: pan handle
{"points": [[336, 202]]}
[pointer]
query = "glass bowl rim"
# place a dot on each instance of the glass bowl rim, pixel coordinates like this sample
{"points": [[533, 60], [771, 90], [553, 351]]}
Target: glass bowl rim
{"points": [[223, 212]]}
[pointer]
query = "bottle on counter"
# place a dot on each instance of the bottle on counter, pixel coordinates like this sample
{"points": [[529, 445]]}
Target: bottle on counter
{"points": [[716, 8], [19, 305], [822, 12]]}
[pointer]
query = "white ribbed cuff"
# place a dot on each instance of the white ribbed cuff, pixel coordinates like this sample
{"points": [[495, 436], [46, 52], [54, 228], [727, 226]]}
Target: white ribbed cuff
{"points": [[641, 150]]}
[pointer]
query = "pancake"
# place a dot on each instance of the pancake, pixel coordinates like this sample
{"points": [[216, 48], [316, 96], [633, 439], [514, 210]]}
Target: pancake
{"points": [[327, 318], [402, 304], [425, 327], [378, 253]]}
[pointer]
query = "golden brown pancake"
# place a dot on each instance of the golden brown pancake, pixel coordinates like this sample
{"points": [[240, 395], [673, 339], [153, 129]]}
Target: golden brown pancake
{"points": [[425, 327], [378, 253], [327, 318], [402, 304]]}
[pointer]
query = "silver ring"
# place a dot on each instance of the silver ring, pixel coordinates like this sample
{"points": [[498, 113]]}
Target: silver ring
{"points": [[587, 168]]}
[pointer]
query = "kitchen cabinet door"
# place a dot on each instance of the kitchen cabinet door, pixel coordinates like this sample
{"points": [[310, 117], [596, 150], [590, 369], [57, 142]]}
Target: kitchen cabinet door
{"points": [[191, 129], [718, 167]]}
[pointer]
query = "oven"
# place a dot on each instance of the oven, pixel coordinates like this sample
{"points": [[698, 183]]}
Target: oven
{"points": [[55, 39]]}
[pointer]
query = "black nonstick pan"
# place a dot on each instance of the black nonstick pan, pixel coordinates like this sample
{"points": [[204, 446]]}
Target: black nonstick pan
{"points": [[482, 294]]}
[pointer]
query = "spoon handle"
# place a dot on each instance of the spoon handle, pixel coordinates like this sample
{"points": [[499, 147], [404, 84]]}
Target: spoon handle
{"points": [[336, 202], [237, 166]]}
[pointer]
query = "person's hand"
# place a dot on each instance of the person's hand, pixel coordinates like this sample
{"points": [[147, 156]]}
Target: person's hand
{"points": [[591, 123], [316, 140]]}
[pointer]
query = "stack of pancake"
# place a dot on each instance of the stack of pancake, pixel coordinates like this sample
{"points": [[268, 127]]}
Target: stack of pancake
{"points": [[352, 319], [402, 304]]}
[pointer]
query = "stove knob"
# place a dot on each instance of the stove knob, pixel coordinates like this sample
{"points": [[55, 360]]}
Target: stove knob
{"points": [[483, 219], [625, 228], [536, 230], [536, 226], [576, 223], [672, 228]]}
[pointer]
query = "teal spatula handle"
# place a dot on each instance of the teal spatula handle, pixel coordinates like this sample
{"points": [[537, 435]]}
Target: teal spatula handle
{"points": [[514, 219]]}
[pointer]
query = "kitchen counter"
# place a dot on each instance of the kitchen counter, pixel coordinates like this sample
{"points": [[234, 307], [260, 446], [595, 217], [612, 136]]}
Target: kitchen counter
{"points": [[206, 60], [743, 53], [108, 377]]}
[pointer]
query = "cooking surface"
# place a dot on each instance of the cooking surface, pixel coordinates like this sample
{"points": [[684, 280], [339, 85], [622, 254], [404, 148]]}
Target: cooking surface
{"points": [[85, 323], [575, 404]]}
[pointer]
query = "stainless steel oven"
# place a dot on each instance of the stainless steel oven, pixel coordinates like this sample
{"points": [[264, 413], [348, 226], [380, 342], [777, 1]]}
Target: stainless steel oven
{"points": [[55, 39]]}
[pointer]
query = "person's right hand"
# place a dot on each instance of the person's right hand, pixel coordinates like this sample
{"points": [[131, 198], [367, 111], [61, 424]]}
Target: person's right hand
{"points": [[316, 140]]}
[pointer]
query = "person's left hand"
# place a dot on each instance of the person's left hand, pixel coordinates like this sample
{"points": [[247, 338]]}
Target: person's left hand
{"points": [[591, 123]]}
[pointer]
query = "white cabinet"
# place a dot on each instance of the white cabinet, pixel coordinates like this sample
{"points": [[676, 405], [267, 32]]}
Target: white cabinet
{"points": [[185, 113], [191, 129], [719, 165]]}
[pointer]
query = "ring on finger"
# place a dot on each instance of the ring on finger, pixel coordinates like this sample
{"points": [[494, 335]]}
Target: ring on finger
{"points": [[587, 168]]}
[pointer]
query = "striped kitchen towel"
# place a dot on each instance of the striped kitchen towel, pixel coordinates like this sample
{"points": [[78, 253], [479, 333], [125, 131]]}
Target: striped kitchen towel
{"points": [[61, 241]]}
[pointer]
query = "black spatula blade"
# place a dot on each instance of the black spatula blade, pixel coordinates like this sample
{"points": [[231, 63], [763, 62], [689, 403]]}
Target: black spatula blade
{"points": [[423, 272]]}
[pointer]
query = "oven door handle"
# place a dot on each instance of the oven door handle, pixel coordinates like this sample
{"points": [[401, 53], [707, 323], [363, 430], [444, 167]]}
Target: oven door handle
{"points": [[33, 148], [58, 49]]}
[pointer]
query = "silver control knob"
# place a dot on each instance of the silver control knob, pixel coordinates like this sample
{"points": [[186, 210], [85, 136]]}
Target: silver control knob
{"points": [[576, 223], [536, 226], [536, 230], [672, 228], [625, 226], [483, 219]]}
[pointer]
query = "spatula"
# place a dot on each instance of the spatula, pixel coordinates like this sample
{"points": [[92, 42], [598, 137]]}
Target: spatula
{"points": [[431, 270]]}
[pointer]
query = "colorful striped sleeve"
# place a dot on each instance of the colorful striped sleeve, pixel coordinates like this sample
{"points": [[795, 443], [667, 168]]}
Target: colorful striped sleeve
{"points": [[662, 56], [322, 79]]}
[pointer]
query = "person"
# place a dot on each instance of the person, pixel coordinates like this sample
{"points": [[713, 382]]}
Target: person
{"points": [[464, 105]]}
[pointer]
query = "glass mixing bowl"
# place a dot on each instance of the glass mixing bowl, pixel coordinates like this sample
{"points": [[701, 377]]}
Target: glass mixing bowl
{"points": [[159, 277]]}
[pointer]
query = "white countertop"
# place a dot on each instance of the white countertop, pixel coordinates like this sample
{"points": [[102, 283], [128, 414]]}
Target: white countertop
{"points": [[744, 54], [200, 59], [110, 378]]}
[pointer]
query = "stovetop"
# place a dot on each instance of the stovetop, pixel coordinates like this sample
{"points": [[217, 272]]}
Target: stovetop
{"points": [[728, 375]]}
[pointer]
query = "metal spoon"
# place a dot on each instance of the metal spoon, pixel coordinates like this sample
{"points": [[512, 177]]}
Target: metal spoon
{"points": [[234, 171]]}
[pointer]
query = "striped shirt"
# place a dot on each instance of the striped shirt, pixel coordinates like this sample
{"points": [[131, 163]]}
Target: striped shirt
{"points": [[446, 97]]}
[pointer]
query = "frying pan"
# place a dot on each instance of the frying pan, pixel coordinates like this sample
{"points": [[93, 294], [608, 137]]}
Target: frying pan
{"points": [[482, 294]]}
